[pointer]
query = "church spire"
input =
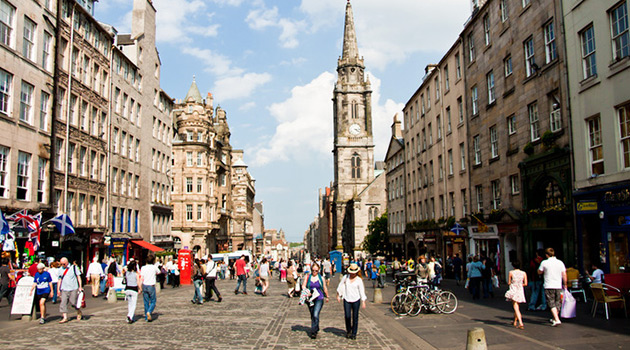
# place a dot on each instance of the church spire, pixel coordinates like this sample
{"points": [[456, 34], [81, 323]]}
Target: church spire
{"points": [[194, 93], [350, 48]]}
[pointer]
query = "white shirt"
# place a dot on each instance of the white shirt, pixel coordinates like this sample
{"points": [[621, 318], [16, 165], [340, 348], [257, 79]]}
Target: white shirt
{"points": [[552, 271], [263, 270], [54, 274], [95, 268], [351, 291], [211, 268], [148, 273], [597, 276]]}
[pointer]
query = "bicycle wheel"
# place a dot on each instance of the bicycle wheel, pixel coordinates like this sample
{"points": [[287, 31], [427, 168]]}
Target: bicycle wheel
{"points": [[416, 307], [431, 301], [398, 304], [447, 302]]}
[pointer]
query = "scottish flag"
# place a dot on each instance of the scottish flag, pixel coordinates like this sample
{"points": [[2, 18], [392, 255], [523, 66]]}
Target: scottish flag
{"points": [[63, 224], [4, 224]]}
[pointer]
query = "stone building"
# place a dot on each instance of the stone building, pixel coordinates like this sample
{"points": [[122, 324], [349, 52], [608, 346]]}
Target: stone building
{"points": [[357, 191], [27, 43], [436, 183], [395, 179], [598, 60], [259, 228], [243, 193], [517, 120]]}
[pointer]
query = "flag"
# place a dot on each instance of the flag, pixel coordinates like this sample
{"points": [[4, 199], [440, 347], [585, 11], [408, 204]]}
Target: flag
{"points": [[457, 228], [4, 229], [481, 227], [14, 216], [23, 218], [63, 224], [35, 228]]}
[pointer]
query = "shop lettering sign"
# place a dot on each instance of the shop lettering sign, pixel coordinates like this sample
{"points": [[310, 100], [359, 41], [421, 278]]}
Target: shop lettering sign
{"points": [[586, 206], [617, 198]]}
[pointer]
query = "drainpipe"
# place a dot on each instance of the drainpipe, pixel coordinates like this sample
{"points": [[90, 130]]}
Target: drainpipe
{"points": [[69, 99]]}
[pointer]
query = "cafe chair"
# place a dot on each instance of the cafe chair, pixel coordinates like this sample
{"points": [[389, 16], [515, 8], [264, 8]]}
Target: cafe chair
{"points": [[575, 283], [600, 296]]}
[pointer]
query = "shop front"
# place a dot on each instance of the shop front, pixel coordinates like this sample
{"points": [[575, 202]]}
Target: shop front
{"points": [[603, 228], [454, 244]]}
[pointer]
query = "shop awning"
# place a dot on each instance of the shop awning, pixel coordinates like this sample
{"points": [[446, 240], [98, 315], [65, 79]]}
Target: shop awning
{"points": [[147, 245]]}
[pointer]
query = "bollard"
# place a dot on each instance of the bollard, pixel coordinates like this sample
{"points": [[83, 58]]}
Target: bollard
{"points": [[476, 339], [111, 296], [378, 296]]}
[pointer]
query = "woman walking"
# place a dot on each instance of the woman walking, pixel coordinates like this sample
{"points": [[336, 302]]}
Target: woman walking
{"points": [[352, 291], [517, 279], [291, 278], [475, 271], [132, 288], [53, 270], [43, 283], [149, 277], [263, 274], [197, 277], [316, 285], [283, 271]]}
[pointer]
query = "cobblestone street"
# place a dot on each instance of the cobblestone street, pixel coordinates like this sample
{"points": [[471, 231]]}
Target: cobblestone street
{"points": [[239, 322]]}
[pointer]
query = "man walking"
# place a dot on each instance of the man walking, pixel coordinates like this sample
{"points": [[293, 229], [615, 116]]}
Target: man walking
{"points": [[536, 283], [457, 268], [69, 287], [239, 266], [555, 277], [211, 277]]}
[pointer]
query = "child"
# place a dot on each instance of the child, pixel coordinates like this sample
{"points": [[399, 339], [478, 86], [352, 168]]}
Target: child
{"points": [[517, 279]]}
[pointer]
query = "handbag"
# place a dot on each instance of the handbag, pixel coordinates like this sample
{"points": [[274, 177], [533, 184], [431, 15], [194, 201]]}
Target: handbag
{"points": [[495, 281], [568, 305]]}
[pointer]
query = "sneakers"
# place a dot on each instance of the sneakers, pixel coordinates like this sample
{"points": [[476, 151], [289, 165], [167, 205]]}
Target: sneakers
{"points": [[129, 320], [219, 300], [555, 323], [42, 321], [245, 293], [235, 291]]}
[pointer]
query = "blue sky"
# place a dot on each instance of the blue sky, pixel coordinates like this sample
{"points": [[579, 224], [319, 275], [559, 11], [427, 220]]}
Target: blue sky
{"points": [[271, 66]]}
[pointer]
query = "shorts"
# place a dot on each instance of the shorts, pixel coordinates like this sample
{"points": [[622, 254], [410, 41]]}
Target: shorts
{"points": [[39, 297], [554, 298]]}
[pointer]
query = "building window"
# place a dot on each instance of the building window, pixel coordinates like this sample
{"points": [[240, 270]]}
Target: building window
{"points": [[474, 100], [450, 162], [41, 179], [28, 43], [447, 84], [477, 149], [24, 161], [356, 166], [530, 64], [479, 196], [430, 132], [199, 185], [551, 52], [82, 164], [46, 50], [43, 111], [620, 36], [490, 82], [458, 67], [555, 119], [189, 158], [507, 66], [437, 88], [504, 10], [189, 136], [511, 124], [5, 91], [534, 127], [486, 30], [71, 148], [7, 23], [440, 168], [199, 158], [199, 211], [515, 184], [26, 102], [595, 146], [4, 158], [114, 180], [189, 185], [494, 142], [462, 154], [189, 212], [449, 127], [58, 153], [496, 194], [460, 109], [624, 128], [471, 48], [438, 121], [589, 64]]}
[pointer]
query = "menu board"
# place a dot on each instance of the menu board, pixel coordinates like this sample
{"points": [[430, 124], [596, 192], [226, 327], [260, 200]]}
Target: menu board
{"points": [[23, 300]]}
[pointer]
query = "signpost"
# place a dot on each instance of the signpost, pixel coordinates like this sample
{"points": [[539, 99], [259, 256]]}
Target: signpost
{"points": [[23, 300]]}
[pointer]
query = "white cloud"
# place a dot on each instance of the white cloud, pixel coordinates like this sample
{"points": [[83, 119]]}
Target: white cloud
{"points": [[177, 20], [305, 123], [247, 106], [263, 18], [239, 86], [228, 2], [216, 64]]}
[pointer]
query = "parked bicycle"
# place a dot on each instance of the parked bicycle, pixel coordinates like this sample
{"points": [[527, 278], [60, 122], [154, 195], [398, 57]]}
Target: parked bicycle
{"points": [[413, 299]]}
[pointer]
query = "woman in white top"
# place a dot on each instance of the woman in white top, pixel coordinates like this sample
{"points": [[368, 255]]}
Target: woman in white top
{"points": [[263, 273], [149, 274], [352, 291]]}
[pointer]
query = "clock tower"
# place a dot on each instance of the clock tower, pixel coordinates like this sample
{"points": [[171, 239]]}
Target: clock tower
{"points": [[353, 143]]}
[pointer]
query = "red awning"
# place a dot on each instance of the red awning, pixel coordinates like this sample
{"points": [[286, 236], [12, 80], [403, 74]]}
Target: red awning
{"points": [[147, 245]]}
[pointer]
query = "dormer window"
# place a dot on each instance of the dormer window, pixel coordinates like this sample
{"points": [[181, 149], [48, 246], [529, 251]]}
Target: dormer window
{"points": [[189, 135], [190, 108]]}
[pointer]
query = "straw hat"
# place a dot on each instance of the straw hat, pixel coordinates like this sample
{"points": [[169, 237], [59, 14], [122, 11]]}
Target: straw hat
{"points": [[353, 268]]}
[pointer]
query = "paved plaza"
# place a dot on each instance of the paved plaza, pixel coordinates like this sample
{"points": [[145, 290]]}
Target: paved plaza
{"points": [[277, 322]]}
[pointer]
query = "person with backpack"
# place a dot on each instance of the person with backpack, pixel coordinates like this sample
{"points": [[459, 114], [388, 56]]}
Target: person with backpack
{"points": [[314, 282], [212, 269], [352, 291]]}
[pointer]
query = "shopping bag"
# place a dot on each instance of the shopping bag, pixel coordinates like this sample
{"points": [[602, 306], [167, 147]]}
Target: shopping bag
{"points": [[495, 281], [568, 305], [467, 283], [81, 300]]}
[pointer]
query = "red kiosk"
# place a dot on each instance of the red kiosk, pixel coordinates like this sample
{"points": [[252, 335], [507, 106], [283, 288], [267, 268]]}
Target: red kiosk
{"points": [[184, 262]]}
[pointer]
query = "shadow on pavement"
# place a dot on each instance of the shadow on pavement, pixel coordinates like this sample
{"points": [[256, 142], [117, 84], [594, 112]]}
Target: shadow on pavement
{"points": [[336, 331], [300, 328]]}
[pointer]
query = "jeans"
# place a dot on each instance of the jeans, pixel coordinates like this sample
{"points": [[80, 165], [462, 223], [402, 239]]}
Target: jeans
{"points": [[243, 279], [473, 285], [198, 298], [148, 295], [537, 290], [351, 312], [211, 287], [103, 285], [487, 288], [5, 291], [315, 310], [132, 300], [54, 285], [381, 280]]}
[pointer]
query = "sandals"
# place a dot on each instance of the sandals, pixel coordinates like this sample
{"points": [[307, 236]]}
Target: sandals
{"points": [[64, 320]]}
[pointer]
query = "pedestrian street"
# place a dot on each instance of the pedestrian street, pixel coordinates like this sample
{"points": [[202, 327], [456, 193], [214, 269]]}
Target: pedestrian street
{"points": [[238, 322]]}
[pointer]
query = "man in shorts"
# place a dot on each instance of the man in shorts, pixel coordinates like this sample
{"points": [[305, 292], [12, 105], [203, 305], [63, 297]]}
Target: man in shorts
{"points": [[327, 267], [555, 278]]}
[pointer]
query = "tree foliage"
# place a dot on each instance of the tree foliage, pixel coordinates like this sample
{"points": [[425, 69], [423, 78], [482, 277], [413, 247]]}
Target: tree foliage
{"points": [[377, 240]]}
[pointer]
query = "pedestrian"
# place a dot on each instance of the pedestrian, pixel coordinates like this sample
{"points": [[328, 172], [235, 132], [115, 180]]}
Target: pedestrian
{"points": [[133, 286], [352, 291], [94, 273], [536, 283], [422, 269], [239, 266], [457, 268], [197, 277], [103, 283], [283, 271], [68, 288], [43, 283], [598, 275], [382, 275], [5, 278], [263, 274], [292, 277], [475, 270], [327, 268], [487, 275], [212, 269], [435, 271], [319, 292], [176, 277], [555, 278], [396, 266], [517, 279], [112, 271], [149, 278], [53, 270]]}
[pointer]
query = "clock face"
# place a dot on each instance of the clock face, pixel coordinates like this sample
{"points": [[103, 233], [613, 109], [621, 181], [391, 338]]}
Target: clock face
{"points": [[354, 129]]}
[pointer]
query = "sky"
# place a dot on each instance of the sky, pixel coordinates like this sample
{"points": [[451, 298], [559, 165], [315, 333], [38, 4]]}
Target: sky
{"points": [[271, 65]]}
